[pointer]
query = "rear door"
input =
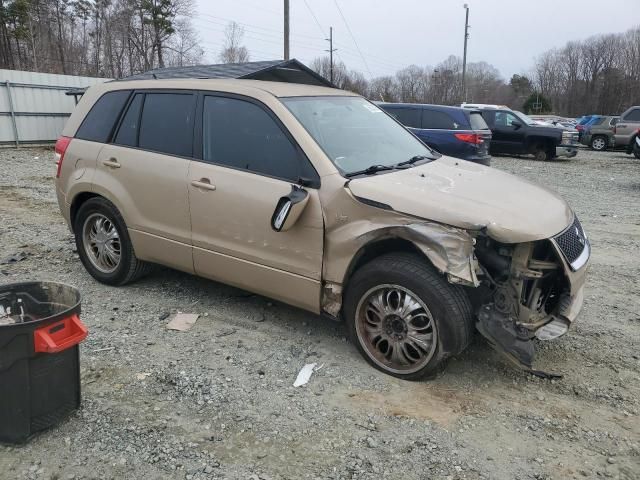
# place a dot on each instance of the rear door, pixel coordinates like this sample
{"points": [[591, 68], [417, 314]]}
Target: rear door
{"points": [[439, 130], [247, 161], [144, 171], [628, 124]]}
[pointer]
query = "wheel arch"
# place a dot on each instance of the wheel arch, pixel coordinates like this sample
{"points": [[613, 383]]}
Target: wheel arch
{"points": [[378, 247], [534, 141], [78, 200]]}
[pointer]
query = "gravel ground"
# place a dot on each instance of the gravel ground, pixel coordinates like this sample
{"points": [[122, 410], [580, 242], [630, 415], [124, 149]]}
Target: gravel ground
{"points": [[218, 401]]}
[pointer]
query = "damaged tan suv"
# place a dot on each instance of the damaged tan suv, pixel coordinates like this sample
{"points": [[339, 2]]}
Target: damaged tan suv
{"points": [[316, 197]]}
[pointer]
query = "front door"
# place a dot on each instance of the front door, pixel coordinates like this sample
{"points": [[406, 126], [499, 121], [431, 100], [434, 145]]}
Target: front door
{"points": [[247, 162], [508, 133]]}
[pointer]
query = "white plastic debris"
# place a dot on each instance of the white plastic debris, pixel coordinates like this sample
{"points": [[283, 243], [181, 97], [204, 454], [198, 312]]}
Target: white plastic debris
{"points": [[304, 374], [182, 321]]}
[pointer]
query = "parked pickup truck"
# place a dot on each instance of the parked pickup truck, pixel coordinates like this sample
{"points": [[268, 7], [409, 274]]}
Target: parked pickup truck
{"points": [[515, 133]]}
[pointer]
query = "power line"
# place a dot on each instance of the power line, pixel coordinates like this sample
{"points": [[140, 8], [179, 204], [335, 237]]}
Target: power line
{"points": [[315, 18], [346, 24], [271, 40], [267, 33], [227, 20]]}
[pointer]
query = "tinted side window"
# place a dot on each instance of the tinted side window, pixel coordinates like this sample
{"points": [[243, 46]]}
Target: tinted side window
{"points": [[99, 122], [409, 117], [242, 135], [167, 123], [128, 131], [438, 120], [633, 116]]}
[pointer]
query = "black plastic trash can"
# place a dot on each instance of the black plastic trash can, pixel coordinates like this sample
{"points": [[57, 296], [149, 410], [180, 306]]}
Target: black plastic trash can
{"points": [[40, 330]]}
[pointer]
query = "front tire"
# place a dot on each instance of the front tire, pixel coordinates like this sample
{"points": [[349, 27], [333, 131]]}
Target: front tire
{"points": [[542, 154], [404, 317], [103, 243]]}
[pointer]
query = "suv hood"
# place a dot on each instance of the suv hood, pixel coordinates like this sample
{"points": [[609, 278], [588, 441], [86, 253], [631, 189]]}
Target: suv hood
{"points": [[470, 196]]}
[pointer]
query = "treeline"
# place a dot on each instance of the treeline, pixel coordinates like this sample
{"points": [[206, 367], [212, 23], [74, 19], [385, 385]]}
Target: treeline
{"points": [[441, 84], [598, 75], [103, 38], [116, 38]]}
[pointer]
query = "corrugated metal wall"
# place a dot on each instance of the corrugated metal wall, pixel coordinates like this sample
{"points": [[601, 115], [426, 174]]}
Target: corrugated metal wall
{"points": [[34, 105]]}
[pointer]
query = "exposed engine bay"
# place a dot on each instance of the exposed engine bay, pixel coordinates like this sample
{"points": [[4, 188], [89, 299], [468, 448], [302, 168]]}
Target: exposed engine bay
{"points": [[523, 294]]}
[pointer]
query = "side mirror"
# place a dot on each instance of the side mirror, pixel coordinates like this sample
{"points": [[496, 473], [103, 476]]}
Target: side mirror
{"points": [[289, 209], [516, 125]]}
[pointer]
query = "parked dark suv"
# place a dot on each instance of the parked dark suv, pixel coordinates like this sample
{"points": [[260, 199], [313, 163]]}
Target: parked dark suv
{"points": [[452, 131], [515, 133]]}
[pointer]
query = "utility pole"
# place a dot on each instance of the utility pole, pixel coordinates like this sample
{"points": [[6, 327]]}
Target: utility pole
{"points": [[331, 50], [286, 29], [464, 57]]}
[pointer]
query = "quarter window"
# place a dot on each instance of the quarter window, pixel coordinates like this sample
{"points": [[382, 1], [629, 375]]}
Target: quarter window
{"points": [[243, 135], [167, 123], [128, 131], [100, 121]]}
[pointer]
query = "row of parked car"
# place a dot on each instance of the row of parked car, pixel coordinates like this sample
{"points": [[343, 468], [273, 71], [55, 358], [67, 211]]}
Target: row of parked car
{"points": [[474, 132], [602, 132]]}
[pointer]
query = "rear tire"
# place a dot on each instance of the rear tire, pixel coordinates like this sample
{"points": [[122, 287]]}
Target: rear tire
{"points": [[599, 143], [404, 317], [104, 245]]}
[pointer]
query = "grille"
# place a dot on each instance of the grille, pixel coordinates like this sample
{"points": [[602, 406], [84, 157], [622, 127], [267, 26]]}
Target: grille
{"points": [[572, 241], [569, 138]]}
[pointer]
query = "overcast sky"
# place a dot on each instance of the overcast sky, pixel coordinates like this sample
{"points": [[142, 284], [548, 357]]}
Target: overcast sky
{"points": [[392, 34]]}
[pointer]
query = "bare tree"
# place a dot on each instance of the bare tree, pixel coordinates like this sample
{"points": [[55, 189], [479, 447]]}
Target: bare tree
{"points": [[383, 89], [233, 50]]}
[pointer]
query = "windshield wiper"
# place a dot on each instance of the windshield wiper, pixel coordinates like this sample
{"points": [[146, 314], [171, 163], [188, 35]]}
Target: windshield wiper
{"points": [[370, 170], [414, 159]]}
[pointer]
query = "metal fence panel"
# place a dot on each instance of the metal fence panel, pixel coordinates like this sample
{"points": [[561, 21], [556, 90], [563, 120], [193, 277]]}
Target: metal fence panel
{"points": [[34, 105]]}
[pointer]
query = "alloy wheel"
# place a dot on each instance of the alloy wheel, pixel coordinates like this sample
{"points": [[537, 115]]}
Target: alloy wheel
{"points": [[101, 242], [396, 329], [598, 143]]}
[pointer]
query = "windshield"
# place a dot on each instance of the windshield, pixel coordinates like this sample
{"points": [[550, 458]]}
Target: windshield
{"points": [[355, 134], [524, 118]]}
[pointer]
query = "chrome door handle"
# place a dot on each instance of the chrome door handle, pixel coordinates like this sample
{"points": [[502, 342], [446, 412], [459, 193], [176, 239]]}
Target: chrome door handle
{"points": [[111, 163], [203, 183]]}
